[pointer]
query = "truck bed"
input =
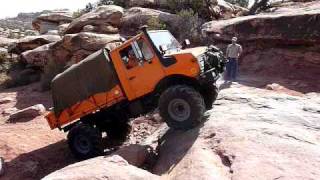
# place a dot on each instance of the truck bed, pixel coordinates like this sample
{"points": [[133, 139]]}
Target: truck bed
{"points": [[91, 105]]}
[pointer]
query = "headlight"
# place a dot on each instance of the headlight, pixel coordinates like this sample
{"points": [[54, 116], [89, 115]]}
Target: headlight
{"points": [[201, 60]]}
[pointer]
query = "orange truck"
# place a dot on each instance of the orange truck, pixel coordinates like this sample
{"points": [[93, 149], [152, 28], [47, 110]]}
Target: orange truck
{"points": [[151, 70]]}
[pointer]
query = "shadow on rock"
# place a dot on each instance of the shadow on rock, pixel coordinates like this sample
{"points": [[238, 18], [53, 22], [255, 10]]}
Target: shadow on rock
{"points": [[225, 85], [173, 146], [38, 163]]}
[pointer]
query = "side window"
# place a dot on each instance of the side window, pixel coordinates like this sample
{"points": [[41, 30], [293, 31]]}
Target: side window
{"points": [[136, 53], [145, 49], [129, 57]]}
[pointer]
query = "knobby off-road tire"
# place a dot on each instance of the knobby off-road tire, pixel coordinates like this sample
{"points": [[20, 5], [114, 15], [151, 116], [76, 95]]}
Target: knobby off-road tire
{"points": [[85, 141], [211, 95], [182, 107]]}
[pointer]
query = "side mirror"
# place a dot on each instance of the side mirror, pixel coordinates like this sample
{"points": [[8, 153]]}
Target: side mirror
{"points": [[163, 49], [122, 39], [185, 43]]}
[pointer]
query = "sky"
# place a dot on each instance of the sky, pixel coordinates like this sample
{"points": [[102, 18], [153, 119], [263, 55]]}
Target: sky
{"points": [[11, 8]]}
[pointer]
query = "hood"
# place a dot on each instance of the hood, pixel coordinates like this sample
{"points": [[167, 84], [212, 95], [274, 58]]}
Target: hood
{"points": [[197, 51]]}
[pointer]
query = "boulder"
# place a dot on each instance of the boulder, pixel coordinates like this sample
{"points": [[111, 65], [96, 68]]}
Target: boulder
{"points": [[274, 49], [108, 168], [6, 100], [56, 57], [73, 48], [51, 21], [38, 56], [28, 113], [268, 27], [8, 111], [104, 16], [62, 28], [137, 16], [53, 32], [212, 9], [225, 10], [88, 41], [32, 42], [3, 53], [135, 154], [5, 42]]}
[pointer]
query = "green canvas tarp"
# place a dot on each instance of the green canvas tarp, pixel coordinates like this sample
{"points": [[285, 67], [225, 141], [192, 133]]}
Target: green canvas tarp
{"points": [[95, 74]]}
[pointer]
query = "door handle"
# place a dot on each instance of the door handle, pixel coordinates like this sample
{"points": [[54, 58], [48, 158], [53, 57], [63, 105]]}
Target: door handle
{"points": [[132, 78]]}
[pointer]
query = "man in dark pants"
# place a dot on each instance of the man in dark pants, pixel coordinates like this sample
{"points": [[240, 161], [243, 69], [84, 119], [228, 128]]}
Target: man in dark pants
{"points": [[234, 51]]}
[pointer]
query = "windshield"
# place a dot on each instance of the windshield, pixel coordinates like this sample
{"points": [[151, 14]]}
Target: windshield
{"points": [[161, 38]]}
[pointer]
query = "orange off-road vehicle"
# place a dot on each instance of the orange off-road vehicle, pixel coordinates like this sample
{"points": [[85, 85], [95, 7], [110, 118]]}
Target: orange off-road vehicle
{"points": [[150, 70]]}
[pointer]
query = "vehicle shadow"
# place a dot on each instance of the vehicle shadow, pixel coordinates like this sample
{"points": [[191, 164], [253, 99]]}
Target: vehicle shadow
{"points": [[174, 145], [39, 163], [225, 85]]}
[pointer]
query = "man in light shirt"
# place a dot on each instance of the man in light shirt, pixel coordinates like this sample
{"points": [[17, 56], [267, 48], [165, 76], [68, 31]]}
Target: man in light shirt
{"points": [[234, 51]]}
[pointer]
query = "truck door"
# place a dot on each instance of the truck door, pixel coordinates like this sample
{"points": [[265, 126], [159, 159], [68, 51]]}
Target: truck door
{"points": [[143, 69]]}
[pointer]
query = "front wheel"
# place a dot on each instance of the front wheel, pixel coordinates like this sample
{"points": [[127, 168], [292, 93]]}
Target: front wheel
{"points": [[85, 141], [182, 107]]}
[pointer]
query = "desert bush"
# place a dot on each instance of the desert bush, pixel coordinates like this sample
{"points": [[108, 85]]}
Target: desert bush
{"points": [[78, 13], [179, 5], [109, 2], [91, 6], [188, 26], [3, 58], [242, 3], [156, 24], [199, 7], [14, 73]]}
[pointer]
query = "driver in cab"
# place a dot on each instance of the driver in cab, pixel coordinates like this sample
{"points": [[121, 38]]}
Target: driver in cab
{"points": [[132, 60]]}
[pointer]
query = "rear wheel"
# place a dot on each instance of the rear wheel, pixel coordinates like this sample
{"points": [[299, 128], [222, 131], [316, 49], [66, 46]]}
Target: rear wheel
{"points": [[85, 141], [182, 107]]}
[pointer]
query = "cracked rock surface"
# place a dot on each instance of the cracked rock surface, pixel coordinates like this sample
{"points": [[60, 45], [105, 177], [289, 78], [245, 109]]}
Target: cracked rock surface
{"points": [[250, 134]]}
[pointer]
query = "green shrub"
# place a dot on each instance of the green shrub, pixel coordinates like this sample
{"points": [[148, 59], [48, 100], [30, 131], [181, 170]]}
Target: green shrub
{"points": [[156, 24], [91, 6], [178, 5], [17, 74], [78, 13], [188, 26], [110, 2], [242, 3]]}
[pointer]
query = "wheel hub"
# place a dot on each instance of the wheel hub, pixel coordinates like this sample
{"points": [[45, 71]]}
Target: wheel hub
{"points": [[179, 110], [82, 144]]}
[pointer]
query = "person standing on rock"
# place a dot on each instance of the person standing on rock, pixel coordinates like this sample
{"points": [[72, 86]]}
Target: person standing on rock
{"points": [[233, 53]]}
